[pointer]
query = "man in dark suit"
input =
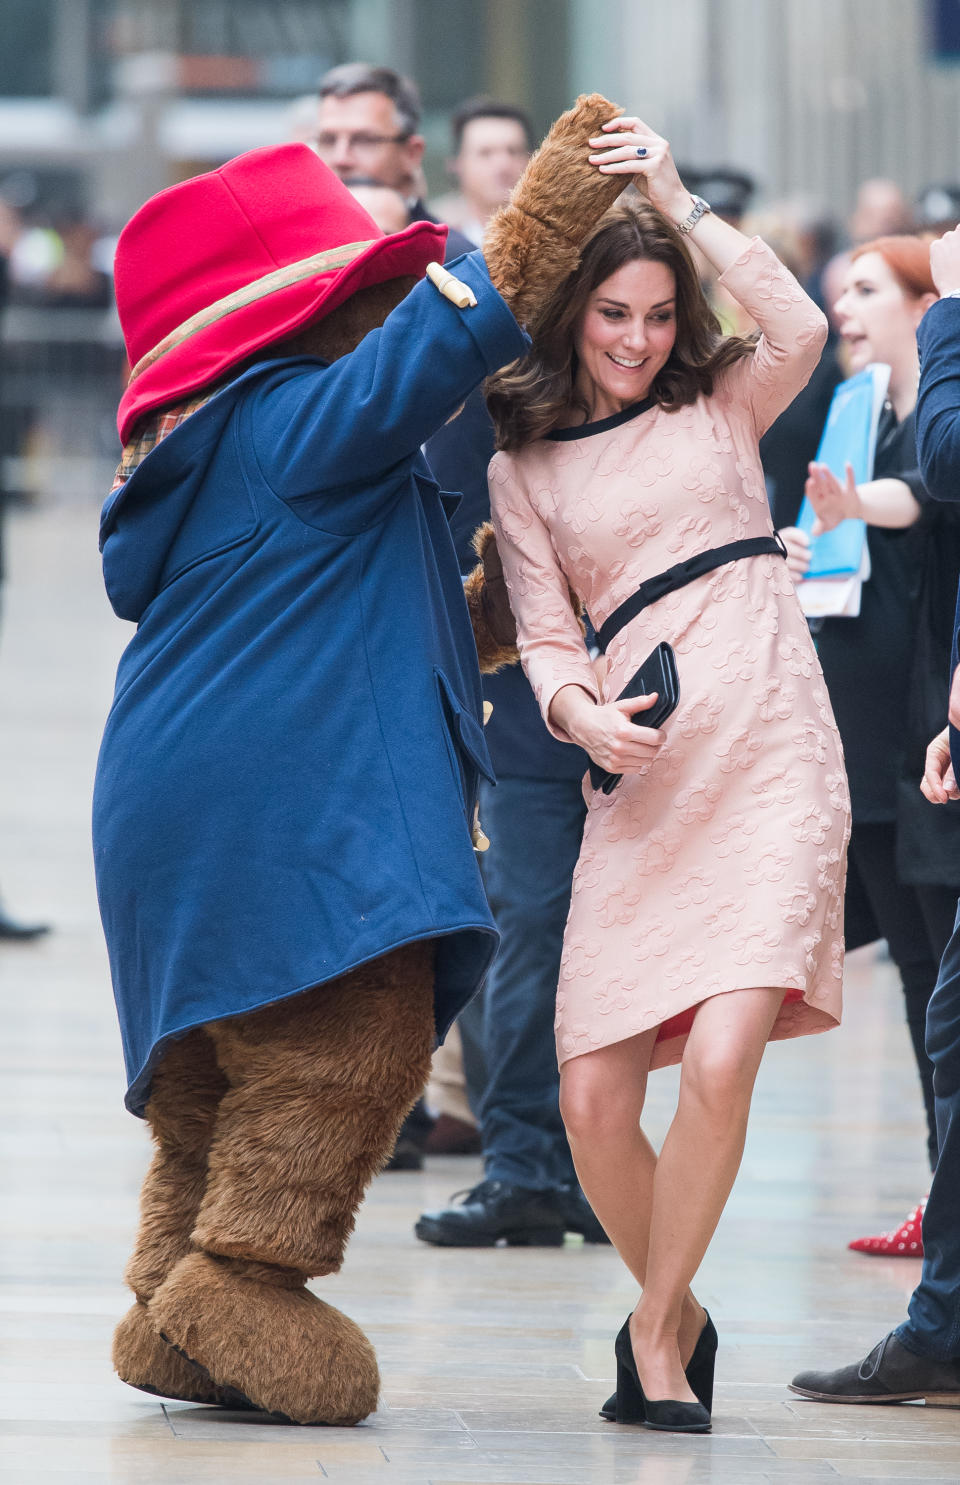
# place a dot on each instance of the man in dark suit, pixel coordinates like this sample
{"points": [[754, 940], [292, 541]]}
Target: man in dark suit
{"points": [[368, 124], [921, 1358], [534, 817]]}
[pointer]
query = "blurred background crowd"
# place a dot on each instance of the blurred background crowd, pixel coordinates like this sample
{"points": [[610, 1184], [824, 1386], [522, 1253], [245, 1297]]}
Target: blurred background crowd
{"points": [[819, 124]]}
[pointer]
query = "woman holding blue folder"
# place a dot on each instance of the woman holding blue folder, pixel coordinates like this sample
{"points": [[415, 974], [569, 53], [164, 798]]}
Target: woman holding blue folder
{"points": [[886, 668]]}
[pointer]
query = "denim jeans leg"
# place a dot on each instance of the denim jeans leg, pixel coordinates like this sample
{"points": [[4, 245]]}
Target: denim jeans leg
{"points": [[933, 1327], [535, 828]]}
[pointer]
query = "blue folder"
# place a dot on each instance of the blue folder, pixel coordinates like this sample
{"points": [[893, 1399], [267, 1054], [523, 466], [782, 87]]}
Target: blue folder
{"points": [[849, 437]]}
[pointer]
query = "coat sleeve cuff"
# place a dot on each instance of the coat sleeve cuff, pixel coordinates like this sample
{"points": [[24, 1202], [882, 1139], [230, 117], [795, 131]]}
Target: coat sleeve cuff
{"points": [[497, 335]]}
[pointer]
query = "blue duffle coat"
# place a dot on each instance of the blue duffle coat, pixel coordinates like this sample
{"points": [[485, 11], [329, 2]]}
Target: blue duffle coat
{"points": [[286, 783]]}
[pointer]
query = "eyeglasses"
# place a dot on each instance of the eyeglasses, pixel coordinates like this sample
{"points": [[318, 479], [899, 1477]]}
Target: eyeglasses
{"points": [[327, 141]]}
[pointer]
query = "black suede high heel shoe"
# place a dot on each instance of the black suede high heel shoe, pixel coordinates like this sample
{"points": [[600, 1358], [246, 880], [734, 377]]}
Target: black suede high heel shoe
{"points": [[700, 1367], [665, 1414], [699, 1371]]}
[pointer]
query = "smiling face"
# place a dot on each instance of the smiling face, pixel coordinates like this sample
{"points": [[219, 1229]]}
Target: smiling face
{"points": [[625, 336], [876, 317]]}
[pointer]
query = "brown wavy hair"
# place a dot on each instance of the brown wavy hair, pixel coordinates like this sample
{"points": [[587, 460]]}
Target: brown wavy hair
{"points": [[535, 394]]}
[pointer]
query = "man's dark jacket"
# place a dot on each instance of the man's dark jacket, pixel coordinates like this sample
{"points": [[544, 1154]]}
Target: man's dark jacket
{"points": [[938, 427]]}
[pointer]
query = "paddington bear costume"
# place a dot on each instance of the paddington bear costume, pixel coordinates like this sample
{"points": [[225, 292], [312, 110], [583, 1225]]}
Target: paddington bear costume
{"points": [[286, 787]]}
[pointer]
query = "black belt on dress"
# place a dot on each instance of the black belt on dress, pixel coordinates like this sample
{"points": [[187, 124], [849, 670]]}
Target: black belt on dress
{"points": [[682, 574]]}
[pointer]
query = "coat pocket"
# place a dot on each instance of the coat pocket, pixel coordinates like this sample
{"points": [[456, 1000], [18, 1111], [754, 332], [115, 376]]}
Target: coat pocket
{"points": [[466, 743]]}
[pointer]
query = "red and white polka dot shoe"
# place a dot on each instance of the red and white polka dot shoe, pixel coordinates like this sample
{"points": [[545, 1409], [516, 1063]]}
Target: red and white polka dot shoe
{"points": [[906, 1242]]}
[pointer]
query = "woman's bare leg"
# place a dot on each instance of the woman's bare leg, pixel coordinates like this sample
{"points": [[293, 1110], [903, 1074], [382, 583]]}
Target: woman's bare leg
{"points": [[696, 1170], [601, 1099]]}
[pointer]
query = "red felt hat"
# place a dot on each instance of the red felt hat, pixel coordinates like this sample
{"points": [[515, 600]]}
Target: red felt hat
{"points": [[211, 270]]}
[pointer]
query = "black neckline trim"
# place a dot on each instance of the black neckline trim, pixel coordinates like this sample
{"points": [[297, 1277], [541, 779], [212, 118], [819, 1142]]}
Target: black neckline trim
{"points": [[587, 430]]}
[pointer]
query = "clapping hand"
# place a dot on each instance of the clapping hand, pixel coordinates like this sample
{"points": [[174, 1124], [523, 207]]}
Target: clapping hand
{"points": [[945, 262], [833, 502], [939, 782]]}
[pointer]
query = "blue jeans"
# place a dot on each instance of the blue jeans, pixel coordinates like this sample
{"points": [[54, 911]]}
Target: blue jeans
{"points": [[933, 1327], [535, 827]]}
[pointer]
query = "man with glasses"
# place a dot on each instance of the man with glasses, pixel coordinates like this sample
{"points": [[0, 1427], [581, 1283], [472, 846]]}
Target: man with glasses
{"points": [[368, 124]]}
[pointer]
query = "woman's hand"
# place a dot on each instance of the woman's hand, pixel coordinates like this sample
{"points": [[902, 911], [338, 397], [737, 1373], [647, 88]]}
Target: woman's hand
{"points": [[953, 709], [628, 147], [832, 501], [939, 782], [797, 543], [945, 262], [605, 731]]}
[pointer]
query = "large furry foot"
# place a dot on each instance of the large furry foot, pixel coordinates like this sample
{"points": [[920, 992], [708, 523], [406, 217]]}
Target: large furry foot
{"points": [[142, 1359], [282, 1349]]}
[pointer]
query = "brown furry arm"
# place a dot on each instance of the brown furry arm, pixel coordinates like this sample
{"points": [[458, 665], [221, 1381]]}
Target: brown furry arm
{"points": [[494, 627], [533, 243]]}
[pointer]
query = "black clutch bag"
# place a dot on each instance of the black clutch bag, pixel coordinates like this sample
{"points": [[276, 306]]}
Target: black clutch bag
{"points": [[657, 673]]}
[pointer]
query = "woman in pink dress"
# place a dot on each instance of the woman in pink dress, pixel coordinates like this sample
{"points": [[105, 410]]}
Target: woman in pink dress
{"points": [[706, 916]]}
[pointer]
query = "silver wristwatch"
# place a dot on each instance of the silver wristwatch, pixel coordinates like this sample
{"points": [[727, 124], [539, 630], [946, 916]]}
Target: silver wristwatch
{"points": [[700, 209]]}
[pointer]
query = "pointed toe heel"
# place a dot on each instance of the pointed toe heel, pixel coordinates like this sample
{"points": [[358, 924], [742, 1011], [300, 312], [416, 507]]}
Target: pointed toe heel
{"points": [[700, 1371], [676, 1417], [666, 1415]]}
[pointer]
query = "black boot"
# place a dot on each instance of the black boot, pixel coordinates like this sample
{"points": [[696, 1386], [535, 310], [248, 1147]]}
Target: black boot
{"points": [[495, 1211]]}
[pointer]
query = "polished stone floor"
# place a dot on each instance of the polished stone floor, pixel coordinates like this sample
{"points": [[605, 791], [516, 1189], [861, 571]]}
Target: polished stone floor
{"points": [[494, 1362]]}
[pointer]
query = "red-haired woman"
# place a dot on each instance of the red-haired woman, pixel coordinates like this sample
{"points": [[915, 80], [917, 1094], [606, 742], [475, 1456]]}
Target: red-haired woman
{"points": [[886, 670]]}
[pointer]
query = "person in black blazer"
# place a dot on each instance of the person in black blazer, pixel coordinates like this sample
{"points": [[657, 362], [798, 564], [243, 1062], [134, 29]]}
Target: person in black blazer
{"points": [[921, 1358]]}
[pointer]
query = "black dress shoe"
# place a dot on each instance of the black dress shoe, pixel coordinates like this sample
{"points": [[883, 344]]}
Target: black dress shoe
{"points": [[10, 929], [407, 1155], [453, 1136], [889, 1374], [667, 1415], [493, 1212], [578, 1214], [699, 1371]]}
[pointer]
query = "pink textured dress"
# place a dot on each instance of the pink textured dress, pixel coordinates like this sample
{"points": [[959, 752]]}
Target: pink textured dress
{"points": [[722, 866]]}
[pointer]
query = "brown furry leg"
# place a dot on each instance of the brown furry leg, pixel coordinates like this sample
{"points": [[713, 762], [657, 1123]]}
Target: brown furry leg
{"points": [[187, 1087], [319, 1086]]}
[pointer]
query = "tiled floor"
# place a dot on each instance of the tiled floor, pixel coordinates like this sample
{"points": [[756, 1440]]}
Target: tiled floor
{"points": [[494, 1362]]}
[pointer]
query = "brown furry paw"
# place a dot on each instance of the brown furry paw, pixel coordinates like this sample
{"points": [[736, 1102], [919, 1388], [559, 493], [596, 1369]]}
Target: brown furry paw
{"points": [[494, 627], [533, 243], [142, 1359], [283, 1349]]}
